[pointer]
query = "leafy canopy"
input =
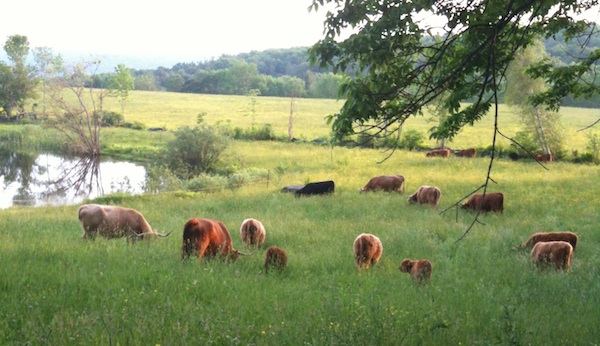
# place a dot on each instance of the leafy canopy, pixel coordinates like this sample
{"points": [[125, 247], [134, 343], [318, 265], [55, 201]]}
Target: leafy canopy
{"points": [[402, 60]]}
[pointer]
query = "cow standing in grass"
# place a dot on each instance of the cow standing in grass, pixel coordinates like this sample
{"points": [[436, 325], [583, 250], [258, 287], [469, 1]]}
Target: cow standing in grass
{"points": [[367, 250], [388, 183], [276, 258], [569, 237], [419, 270], [114, 222], [207, 238], [443, 153], [426, 195], [557, 253], [252, 232], [492, 201]]}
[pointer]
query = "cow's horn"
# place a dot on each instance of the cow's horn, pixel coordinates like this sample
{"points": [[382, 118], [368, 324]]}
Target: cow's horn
{"points": [[244, 254], [163, 235]]}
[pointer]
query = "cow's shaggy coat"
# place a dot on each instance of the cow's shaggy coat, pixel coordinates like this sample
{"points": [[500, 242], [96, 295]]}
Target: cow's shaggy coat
{"points": [[275, 258], [556, 253], [493, 201], [444, 153], [207, 238], [569, 237], [426, 195], [471, 153], [419, 270], [367, 250], [252, 232], [386, 183]]}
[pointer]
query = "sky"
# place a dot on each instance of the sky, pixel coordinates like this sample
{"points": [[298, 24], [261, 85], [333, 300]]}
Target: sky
{"points": [[184, 30]]}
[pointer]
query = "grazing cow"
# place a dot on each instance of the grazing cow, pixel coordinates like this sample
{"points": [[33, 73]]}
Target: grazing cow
{"points": [[207, 238], [317, 188], [493, 201], [569, 237], [558, 253], [426, 195], [114, 222], [547, 157], [445, 153], [275, 257], [252, 232], [471, 152], [386, 183], [419, 270], [367, 250]]}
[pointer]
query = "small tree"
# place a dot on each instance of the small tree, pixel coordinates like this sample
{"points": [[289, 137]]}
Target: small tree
{"points": [[47, 64], [119, 85], [16, 84]]}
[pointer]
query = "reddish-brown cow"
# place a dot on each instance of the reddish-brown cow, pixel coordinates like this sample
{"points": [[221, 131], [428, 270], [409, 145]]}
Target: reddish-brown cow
{"points": [[426, 195], [558, 253], [569, 237], [275, 257], [252, 232], [386, 183], [445, 153], [114, 222], [471, 152], [547, 157], [493, 201], [367, 250], [419, 270], [207, 238]]}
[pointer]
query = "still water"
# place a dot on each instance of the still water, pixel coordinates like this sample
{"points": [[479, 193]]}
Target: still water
{"points": [[36, 180]]}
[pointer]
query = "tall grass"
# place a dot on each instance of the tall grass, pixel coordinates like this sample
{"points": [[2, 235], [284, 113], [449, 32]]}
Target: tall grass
{"points": [[56, 288]]}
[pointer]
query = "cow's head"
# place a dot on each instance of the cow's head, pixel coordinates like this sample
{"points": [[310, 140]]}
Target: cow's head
{"points": [[412, 198], [406, 266]]}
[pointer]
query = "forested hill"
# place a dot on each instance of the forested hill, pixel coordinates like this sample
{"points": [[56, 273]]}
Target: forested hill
{"points": [[287, 72]]}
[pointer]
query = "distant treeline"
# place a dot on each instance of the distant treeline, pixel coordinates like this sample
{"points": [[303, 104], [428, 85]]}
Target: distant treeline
{"points": [[288, 73]]}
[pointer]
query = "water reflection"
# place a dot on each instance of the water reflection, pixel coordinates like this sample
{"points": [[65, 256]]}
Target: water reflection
{"points": [[34, 180]]}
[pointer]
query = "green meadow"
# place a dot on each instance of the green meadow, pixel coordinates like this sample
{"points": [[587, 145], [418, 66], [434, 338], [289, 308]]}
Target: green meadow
{"points": [[58, 289]]}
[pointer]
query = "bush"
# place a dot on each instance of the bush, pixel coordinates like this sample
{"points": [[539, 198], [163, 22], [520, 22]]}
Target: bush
{"points": [[161, 179], [526, 141], [411, 139], [112, 119], [206, 182], [264, 133], [194, 151]]}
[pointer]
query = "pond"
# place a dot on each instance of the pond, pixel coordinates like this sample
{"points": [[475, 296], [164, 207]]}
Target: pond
{"points": [[46, 179]]}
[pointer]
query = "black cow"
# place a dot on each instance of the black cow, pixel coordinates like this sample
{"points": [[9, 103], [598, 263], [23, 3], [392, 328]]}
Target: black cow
{"points": [[317, 188]]}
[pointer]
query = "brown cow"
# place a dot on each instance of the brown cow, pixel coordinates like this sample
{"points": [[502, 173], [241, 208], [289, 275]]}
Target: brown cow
{"points": [[419, 270], [386, 183], [275, 257], [569, 237], [493, 201], [207, 238], [547, 157], [367, 250], [426, 195], [558, 253], [471, 152], [445, 153], [114, 222], [252, 232]]}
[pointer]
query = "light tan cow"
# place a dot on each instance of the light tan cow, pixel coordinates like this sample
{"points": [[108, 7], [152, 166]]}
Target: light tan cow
{"points": [[557, 253], [386, 183], [115, 222], [252, 232], [367, 250], [426, 195]]}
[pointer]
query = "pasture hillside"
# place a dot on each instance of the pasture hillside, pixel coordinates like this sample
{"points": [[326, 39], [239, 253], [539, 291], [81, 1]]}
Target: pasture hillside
{"points": [[173, 110], [57, 289]]}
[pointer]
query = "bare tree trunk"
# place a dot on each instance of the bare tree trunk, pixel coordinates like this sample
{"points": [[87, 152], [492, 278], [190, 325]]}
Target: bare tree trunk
{"points": [[540, 131], [291, 119]]}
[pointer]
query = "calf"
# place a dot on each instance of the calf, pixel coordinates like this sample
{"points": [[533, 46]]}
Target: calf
{"points": [[275, 257], [419, 270], [367, 250], [558, 253]]}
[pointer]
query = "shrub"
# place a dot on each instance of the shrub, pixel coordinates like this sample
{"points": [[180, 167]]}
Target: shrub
{"points": [[264, 133], [194, 151], [411, 139], [161, 179], [206, 182], [112, 119], [525, 141]]}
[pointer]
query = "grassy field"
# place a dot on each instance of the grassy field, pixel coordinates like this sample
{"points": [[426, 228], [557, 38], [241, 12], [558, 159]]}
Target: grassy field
{"points": [[57, 289]]}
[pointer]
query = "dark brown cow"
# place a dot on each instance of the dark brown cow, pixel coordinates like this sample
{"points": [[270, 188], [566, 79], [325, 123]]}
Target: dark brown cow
{"points": [[367, 250], [252, 232], [569, 237], [275, 257], [386, 183], [471, 152], [493, 201], [114, 222], [445, 153], [207, 238], [426, 195], [419, 270], [547, 157], [558, 253]]}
